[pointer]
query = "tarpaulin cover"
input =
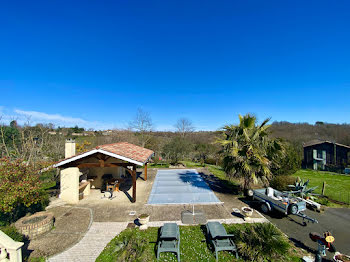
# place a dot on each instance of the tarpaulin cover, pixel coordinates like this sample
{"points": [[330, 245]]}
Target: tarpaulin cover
{"points": [[181, 186]]}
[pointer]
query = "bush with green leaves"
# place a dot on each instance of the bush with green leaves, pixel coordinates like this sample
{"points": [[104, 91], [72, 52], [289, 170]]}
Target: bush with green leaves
{"points": [[21, 190], [282, 183], [289, 162], [128, 246], [262, 242]]}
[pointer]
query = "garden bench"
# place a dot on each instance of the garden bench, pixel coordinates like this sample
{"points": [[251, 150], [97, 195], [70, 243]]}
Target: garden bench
{"points": [[219, 238], [169, 239]]}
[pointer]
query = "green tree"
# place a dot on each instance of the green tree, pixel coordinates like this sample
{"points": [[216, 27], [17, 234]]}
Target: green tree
{"points": [[247, 148], [176, 149], [20, 188], [289, 162]]}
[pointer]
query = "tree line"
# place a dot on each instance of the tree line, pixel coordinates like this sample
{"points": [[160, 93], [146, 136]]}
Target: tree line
{"points": [[38, 142]]}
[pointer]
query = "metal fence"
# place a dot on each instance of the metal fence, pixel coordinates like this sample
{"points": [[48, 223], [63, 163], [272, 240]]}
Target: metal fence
{"points": [[343, 197]]}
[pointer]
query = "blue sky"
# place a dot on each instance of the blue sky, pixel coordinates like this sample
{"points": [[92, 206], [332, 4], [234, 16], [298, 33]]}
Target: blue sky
{"points": [[93, 63]]}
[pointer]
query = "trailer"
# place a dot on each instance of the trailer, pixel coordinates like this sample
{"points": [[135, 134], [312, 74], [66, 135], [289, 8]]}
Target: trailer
{"points": [[271, 199]]}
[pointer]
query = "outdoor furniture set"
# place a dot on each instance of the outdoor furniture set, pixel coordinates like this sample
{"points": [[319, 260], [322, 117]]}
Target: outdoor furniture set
{"points": [[169, 239]]}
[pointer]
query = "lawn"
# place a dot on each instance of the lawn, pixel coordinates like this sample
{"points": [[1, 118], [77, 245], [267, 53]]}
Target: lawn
{"points": [[136, 245], [337, 186]]}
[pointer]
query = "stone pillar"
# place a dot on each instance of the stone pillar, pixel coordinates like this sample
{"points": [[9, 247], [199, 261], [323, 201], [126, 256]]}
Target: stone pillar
{"points": [[70, 185]]}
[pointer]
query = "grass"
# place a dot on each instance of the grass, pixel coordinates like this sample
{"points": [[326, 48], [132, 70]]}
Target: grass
{"points": [[136, 245], [337, 186], [165, 165]]}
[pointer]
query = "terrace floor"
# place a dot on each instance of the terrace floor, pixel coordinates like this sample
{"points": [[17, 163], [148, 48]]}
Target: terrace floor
{"points": [[118, 209]]}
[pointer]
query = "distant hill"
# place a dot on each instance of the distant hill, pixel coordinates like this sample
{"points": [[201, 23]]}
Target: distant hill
{"points": [[299, 133]]}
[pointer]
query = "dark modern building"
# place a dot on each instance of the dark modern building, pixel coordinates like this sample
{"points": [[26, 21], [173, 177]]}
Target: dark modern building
{"points": [[326, 155]]}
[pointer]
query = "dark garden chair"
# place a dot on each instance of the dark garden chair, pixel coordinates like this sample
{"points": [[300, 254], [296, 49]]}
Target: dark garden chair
{"points": [[169, 239], [218, 237]]}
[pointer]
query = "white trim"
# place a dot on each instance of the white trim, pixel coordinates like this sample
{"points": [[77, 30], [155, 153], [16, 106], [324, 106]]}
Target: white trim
{"points": [[98, 151], [75, 158]]}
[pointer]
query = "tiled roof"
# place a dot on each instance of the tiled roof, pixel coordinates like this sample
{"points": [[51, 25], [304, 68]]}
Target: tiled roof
{"points": [[123, 150], [317, 142], [128, 150]]}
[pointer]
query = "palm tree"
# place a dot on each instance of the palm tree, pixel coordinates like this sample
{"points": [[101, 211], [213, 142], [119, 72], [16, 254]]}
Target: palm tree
{"points": [[248, 150]]}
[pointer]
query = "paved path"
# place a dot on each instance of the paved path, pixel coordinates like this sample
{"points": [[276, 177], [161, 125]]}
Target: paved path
{"points": [[92, 244]]}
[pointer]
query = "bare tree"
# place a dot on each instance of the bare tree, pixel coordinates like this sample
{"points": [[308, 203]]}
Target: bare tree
{"points": [[143, 125], [184, 126]]}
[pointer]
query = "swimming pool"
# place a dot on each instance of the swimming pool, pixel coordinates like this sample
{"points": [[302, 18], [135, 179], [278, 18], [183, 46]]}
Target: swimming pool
{"points": [[181, 186]]}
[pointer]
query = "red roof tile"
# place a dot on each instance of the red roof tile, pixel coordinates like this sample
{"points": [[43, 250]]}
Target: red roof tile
{"points": [[128, 150], [124, 149]]}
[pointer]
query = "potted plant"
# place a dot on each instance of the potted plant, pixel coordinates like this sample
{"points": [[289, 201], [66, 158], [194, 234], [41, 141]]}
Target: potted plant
{"points": [[247, 212], [143, 219]]}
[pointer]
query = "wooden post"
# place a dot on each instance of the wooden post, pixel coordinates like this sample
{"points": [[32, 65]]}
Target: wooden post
{"points": [[134, 184], [146, 172], [323, 188]]}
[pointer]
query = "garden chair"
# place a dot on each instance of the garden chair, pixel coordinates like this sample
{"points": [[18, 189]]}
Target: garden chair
{"points": [[219, 238], [169, 239]]}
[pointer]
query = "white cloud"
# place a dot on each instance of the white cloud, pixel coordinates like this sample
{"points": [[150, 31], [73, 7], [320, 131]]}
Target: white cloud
{"points": [[35, 117], [54, 118]]}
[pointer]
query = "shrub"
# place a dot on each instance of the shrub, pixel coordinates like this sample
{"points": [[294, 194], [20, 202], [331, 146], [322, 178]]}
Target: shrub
{"points": [[127, 246], [323, 201], [262, 242], [288, 163], [21, 190], [281, 182], [211, 161], [12, 232]]}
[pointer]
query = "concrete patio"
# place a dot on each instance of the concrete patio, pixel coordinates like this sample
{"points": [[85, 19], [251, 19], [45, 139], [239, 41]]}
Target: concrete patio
{"points": [[118, 209]]}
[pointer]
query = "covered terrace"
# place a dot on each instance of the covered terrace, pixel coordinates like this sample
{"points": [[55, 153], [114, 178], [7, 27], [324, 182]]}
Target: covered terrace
{"points": [[104, 167]]}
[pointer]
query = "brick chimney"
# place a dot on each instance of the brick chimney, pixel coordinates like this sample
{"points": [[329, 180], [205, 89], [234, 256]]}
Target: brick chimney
{"points": [[69, 148]]}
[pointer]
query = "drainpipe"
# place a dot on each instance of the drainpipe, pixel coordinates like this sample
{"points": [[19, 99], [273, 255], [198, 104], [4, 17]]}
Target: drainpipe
{"points": [[335, 154]]}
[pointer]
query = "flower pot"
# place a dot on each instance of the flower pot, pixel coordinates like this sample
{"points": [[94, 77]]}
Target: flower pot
{"points": [[247, 212], [143, 219]]}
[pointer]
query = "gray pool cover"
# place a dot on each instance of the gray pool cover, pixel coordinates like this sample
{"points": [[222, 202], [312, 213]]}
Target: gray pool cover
{"points": [[180, 186]]}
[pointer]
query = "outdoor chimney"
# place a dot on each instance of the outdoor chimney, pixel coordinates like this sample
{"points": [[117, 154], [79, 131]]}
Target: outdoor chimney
{"points": [[69, 148]]}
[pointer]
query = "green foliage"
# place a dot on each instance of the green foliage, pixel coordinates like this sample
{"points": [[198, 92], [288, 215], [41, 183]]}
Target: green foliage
{"points": [[20, 190], [176, 149], [130, 245], [37, 259], [262, 242], [11, 137], [289, 162], [282, 183], [12, 232], [302, 186], [203, 151], [248, 149]]}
